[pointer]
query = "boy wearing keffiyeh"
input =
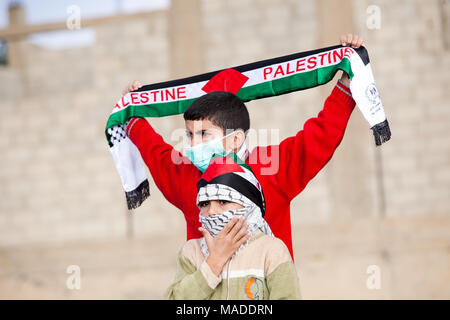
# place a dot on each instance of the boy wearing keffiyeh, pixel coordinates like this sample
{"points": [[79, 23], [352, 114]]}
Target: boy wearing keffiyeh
{"points": [[238, 257]]}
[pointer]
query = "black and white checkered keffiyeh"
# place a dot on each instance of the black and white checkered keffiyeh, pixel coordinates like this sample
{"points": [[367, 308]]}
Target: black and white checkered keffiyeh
{"points": [[116, 134], [215, 223]]}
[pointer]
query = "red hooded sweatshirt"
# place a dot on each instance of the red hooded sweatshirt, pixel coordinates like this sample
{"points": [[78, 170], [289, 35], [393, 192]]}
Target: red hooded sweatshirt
{"points": [[299, 159]]}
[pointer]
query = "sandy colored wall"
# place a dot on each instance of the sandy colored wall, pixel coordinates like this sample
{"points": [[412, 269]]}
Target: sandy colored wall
{"points": [[61, 201]]}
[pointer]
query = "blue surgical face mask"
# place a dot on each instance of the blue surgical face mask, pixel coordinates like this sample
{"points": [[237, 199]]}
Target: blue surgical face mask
{"points": [[201, 154]]}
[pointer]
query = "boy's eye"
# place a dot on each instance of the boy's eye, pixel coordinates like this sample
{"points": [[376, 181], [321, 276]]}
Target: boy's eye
{"points": [[224, 202], [203, 204], [205, 133], [188, 134]]}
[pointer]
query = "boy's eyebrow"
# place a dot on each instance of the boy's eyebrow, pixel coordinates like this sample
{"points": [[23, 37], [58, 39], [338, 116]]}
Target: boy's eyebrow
{"points": [[197, 132]]}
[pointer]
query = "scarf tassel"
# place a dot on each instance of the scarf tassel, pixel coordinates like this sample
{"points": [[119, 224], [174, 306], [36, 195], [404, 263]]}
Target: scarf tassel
{"points": [[381, 132], [138, 195]]}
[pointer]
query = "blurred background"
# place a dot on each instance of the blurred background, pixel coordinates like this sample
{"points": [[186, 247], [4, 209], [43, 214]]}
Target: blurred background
{"points": [[373, 224]]}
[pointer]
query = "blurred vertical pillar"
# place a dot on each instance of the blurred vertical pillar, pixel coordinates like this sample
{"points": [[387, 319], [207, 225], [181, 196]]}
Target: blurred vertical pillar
{"points": [[16, 16], [350, 173], [445, 17], [185, 37], [186, 52], [16, 53]]}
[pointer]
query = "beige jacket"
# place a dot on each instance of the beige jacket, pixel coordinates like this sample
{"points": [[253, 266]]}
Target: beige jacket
{"points": [[262, 270]]}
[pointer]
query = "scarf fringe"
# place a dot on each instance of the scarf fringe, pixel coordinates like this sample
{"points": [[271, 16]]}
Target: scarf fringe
{"points": [[138, 195], [381, 132]]}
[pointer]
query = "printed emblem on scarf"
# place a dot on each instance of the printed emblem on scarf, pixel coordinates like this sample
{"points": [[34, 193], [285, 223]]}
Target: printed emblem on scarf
{"points": [[372, 93]]}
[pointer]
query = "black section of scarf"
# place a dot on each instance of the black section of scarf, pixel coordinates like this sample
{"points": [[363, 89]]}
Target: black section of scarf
{"points": [[138, 195], [361, 51]]}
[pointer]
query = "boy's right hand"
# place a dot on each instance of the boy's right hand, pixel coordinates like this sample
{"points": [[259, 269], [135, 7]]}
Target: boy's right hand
{"points": [[131, 87], [225, 244]]}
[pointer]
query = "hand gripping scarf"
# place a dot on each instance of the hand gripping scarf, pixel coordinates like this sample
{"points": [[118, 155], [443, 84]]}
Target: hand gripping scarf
{"points": [[231, 179], [256, 80]]}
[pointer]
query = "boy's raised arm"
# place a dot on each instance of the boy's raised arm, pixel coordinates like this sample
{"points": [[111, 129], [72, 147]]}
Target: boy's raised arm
{"points": [[301, 157], [167, 166]]}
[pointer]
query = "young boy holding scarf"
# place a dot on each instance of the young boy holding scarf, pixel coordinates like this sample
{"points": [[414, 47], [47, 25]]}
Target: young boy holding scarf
{"points": [[216, 123], [238, 257]]}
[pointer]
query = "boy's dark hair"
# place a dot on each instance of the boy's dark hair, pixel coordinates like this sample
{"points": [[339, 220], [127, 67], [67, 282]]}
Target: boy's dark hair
{"points": [[222, 108]]}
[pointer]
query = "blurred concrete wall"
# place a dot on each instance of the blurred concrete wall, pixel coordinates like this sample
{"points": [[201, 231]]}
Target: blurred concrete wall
{"points": [[61, 201]]}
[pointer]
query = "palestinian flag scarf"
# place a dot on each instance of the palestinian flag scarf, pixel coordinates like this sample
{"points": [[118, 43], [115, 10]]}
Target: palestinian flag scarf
{"points": [[256, 80]]}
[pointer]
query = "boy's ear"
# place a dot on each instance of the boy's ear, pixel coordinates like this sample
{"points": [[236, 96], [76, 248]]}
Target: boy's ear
{"points": [[235, 141], [238, 139]]}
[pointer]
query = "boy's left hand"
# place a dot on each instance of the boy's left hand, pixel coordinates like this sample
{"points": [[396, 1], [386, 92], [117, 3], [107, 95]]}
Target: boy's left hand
{"points": [[354, 41]]}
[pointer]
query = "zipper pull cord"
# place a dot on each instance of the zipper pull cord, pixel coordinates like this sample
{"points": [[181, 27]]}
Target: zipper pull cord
{"points": [[228, 278]]}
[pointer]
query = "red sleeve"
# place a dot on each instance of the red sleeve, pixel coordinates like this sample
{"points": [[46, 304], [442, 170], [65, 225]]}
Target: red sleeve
{"points": [[171, 172], [302, 156]]}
